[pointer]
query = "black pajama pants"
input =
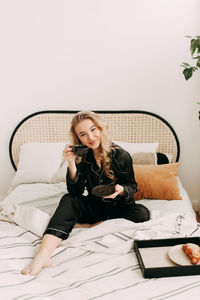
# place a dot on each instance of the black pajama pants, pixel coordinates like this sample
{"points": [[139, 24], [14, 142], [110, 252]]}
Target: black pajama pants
{"points": [[87, 209]]}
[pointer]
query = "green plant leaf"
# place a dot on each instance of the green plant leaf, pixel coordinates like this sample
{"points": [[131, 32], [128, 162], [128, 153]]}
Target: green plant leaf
{"points": [[185, 65], [188, 72], [194, 49], [198, 62], [193, 46]]}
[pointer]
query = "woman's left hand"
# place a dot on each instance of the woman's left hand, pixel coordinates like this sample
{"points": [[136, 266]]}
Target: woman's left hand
{"points": [[119, 190]]}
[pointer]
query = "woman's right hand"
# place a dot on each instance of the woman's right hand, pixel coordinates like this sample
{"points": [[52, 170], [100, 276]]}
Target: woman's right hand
{"points": [[69, 155]]}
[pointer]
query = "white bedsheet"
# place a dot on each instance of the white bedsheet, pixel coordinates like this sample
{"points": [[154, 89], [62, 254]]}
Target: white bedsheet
{"points": [[117, 236], [95, 263]]}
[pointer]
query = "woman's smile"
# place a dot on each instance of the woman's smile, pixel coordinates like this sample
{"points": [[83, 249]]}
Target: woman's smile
{"points": [[92, 142], [88, 133]]}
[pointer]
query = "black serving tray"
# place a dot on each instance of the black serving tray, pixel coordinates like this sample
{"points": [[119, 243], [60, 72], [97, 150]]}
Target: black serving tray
{"points": [[172, 269]]}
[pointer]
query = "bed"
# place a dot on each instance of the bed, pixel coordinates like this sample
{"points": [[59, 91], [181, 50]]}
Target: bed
{"points": [[97, 262]]}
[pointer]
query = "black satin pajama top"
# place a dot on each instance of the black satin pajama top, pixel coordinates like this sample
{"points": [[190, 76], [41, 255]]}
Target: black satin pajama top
{"points": [[90, 175]]}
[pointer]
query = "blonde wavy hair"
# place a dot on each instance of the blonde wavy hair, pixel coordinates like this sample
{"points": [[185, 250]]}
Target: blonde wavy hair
{"points": [[106, 144]]}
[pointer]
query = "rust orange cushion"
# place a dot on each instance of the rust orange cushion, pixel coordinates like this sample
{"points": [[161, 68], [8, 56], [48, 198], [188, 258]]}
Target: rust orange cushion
{"points": [[157, 182]]}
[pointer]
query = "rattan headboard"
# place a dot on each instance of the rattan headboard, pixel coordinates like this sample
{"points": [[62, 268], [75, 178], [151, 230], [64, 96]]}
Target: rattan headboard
{"points": [[130, 126]]}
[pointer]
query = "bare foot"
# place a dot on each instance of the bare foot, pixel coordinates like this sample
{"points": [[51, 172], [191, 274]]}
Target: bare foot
{"points": [[41, 260]]}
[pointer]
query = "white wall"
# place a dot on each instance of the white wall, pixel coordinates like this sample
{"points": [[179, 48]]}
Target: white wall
{"points": [[100, 54]]}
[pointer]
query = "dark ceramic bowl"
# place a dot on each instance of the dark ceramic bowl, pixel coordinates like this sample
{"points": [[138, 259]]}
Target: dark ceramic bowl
{"points": [[80, 150]]}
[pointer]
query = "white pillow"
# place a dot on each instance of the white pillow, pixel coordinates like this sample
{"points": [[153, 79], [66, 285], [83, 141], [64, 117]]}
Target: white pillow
{"points": [[61, 174], [38, 162], [138, 147]]}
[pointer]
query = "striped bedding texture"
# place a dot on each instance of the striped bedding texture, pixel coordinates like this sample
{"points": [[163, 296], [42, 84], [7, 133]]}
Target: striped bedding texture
{"points": [[80, 273], [94, 263]]}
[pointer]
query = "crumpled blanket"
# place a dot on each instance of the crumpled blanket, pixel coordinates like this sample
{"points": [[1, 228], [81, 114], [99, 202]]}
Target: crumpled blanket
{"points": [[111, 236], [28, 217], [118, 235]]}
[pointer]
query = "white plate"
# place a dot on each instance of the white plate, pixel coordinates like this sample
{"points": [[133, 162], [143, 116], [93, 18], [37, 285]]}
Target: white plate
{"points": [[177, 255]]}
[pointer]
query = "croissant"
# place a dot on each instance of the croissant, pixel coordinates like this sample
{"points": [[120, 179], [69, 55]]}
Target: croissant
{"points": [[193, 251]]}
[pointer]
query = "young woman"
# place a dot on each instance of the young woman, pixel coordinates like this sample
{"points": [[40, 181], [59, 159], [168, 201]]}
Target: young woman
{"points": [[104, 164]]}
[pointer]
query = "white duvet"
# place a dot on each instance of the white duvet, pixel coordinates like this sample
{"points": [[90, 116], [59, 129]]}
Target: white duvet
{"points": [[31, 205], [95, 263]]}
